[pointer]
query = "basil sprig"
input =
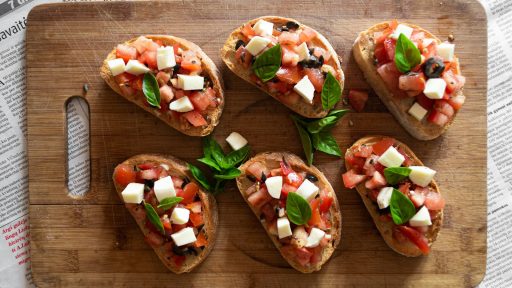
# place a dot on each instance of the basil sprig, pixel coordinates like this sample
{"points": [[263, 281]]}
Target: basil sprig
{"points": [[199, 176], [407, 56], [151, 90], [331, 92], [168, 202], [401, 207], [267, 64], [396, 174], [297, 209], [316, 134], [153, 217]]}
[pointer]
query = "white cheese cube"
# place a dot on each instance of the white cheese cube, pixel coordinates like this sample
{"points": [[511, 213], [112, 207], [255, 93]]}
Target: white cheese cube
{"points": [[421, 175], [422, 218], [281, 212], [391, 158], [417, 111], [283, 227], [263, 28], [181, 105], [402, 29], [236, 141], [256, 45], [305, 89], [116, 66], [434, 88], [180, 215], [165, 57], [274, 186], [164, 188], [307, 190], [134, 67], [190, 82], [184, 236], [315, 236], [427, 41], [446, 51], [384, 197], [303, 51], [133, 193]]}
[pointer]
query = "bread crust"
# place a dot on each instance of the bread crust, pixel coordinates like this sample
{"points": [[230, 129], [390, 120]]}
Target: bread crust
{"points": [[301, 107], [178, 167], [272, 160], [386, 228], [363, 52], [208, 67]]}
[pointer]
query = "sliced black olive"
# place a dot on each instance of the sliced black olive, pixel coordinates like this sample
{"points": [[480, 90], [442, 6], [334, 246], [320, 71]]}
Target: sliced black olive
{"points": [[178, 251], [433, 67], [311, 177], [149, 183], [282, 29], [175, 70], [312, 62], [191, 251], [384, 211], [252, 178], [239, 43], [185, 182], [263, 177], [311, 51], [292, 25]]}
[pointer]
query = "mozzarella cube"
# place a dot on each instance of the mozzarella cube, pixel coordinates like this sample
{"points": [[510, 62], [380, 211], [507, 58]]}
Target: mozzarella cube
{"points": [[181, 105], [274, 186], [421, 175], [417, 111], [236, 141], [283, 227], [281, 212], [422, 218], [434, 88], [427, 41], [190, 82], [256, 45], [164, 188], [180, 215], [305, 89], [116, 66], [165, 57], [391, 158], [315, 236], [446, 51], [384, 197], [133, 193], [402, 29], [303, 51], [307, 190], [263, 28], [184, 236], [134, 67]]}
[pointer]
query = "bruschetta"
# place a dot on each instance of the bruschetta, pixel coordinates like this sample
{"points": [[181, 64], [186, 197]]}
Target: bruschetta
{"points": [[280, 189], [177, 217], [294, 71], [398, 191], [414, 74], [169, 77]]}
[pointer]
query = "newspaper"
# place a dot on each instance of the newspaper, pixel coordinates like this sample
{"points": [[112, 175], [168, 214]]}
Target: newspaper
{"points": [[14, 254]]}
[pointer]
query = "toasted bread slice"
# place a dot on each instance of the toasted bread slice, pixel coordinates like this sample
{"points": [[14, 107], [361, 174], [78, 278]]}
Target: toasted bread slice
{"points": [[272, 160], [363, 51], [303, 108], [386, 228], [209, 205], [209, 69]]}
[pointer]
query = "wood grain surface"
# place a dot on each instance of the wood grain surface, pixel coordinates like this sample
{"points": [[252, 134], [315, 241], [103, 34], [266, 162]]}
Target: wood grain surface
{"points": [[94, 242]]}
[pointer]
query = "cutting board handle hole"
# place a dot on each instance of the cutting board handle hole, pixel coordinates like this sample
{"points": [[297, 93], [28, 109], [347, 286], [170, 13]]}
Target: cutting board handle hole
{"points": [[78, 174]]}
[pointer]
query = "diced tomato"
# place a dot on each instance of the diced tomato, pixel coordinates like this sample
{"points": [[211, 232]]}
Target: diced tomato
{"points": [[381, 54], [126, 52], [188, 193], [389, 73], [154, 239], [301, 255], [290, 99], [384, 35], [417, 35], [279, 86], [163, 77], [357, 99], [412, 82], [195, 207], [364, 151], [379, 167], [193, 65], [415, 237], [124, 174], [124, 78], [390, 47], [293, 179], [289, 56], [167, 224], [315, 213], [453, 82], [357, 163], [259, 198], [143, 44], [417, 197], [316, 77], [434, 201], [166, 93], [268, 211], [438, 118], [287, 188], [407, 161], [257, 169], [457, 101], [373, 194], [351, 178], [325, 201], [444, 107], [307, 35], [179, 93], [195, 118], [380, 147], [196, 219], [321, 52], [404, 188], [179, 260], [243, 56], [137, 83], [317, 254], [290, 75], [147, 165], [369, 165], [200, 100], [149, 58], [285, 168], [200, 240], [247, 31], [377, 181], [178, 227], [429, 48], [424, 101], [288, 38], [148, 174], [385, 217], [398, 235]]}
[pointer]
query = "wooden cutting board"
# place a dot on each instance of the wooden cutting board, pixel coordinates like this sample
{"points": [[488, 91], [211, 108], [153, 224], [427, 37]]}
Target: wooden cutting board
{"points": [[95, 242]]}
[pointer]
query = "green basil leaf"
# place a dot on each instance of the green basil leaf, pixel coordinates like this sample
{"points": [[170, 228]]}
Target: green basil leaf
{"points": [[401, 208], [210, 163], [297, 209], [396, 174], [212, 150], [229, 174], [168, 202], [153, 217], [407, 56], [151, 90], [325, 142], [338, 113], [318, 125], [235, 157], [199, 176], [266, 65], [306, 142], [331, 92]]}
